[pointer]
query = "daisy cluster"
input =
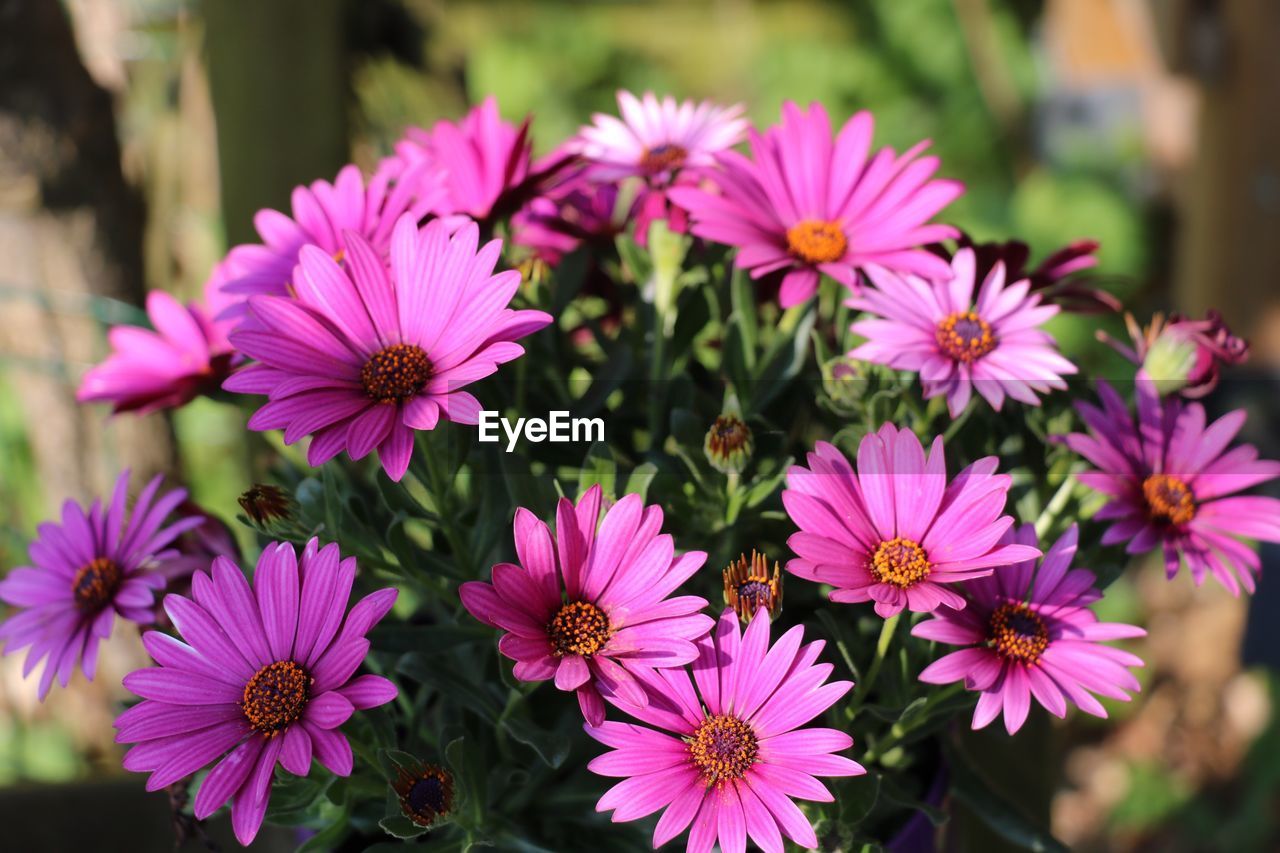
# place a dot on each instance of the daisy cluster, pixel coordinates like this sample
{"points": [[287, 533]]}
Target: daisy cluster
{"points": [[372, 311]]}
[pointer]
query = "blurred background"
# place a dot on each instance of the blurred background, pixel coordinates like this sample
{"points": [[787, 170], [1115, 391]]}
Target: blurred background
{"points": [[137, 138]]}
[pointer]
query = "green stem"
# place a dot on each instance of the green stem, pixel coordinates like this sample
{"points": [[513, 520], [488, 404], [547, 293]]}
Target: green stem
{"points": [[882, 648], [441, 486], [958, 423]]}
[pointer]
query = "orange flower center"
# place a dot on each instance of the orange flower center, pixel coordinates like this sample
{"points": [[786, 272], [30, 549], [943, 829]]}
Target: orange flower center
{"points": [[1169, 499], [817, 241], [900, 562], [95, 583], [1016, 632], [964, 336], [395, 374], [578, 628], [663, 158], [723, 747], [276, 696]]}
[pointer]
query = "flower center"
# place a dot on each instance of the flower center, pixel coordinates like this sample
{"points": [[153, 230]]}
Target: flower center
{"points": [[663, 158], [276, 696], [899, 562], [1169, 499], [723, 747], [817, 241], [1016, 632], [578, 628], [964, 336], [95, 583], [395, 374]]}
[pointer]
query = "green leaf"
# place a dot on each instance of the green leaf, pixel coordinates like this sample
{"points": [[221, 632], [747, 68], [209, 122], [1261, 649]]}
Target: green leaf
{"points": [[551, 747], [600, 468], [641, 477], [401, 827], [471, 693], [1001, 816]]}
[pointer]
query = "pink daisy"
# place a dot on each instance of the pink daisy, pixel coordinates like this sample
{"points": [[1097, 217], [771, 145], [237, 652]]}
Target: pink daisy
{"points": [[592, 610], [85, 571], [323, 215], [735, 755], [187, 355], [483, 166], [1030, 633], [807, 205], [895, 531], [367, 354], [957, 343], [656, 139], [265, 676], [573, 210], [1173, 484]]}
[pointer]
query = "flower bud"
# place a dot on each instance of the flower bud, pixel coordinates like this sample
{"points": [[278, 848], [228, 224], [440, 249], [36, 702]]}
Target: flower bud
{"points": [[844, 380], [749, 586], [728, 444], [266, 504], [425, 792]]}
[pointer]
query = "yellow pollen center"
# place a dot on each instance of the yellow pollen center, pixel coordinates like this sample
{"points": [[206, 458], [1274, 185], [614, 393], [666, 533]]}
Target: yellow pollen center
{"points": [[964, 336], [395, 374], [95, 583], [899, 562], [816, 241], [578, 628], [276, 696], [1169, 499], [1016, 632], [663, 158], [723, 748]]}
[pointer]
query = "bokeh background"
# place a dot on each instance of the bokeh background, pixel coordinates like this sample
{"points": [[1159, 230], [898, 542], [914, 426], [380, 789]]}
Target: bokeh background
{"points": [[137, 138]]}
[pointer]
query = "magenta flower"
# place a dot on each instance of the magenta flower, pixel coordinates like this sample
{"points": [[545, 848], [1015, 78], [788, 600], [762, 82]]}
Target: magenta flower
{"points": [[1030, 634], [572, 210], [264, 676], [323, 215], [655, 139], [479, 168], [957, 343], [1181, 355], [84, 572], [895, 531], [187, 355], [806, 205], [1172, 484], [736, 755], [365, 355], [593, 610]]}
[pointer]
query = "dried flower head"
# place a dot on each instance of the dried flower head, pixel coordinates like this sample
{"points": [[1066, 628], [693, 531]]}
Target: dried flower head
{"points": [[749, 586], [265, 504], [425, 792]]}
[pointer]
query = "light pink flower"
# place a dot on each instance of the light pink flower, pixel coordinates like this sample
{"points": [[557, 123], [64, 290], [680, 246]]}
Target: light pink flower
{"points": [[958, 343]]}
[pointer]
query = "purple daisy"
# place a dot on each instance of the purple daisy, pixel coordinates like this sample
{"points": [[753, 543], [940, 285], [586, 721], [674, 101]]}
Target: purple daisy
{"points": [[1030, 634], [729, 756], [807, 205], [265, 676], [323, 215], [957, 343], [895, 531], [1173, 483], [365, 355], [84, 572], [593, 609]]}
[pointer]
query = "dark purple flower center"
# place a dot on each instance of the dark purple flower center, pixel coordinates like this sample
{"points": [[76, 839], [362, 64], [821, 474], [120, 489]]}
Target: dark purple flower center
{"points": [[723, 748], [663, 158], [578, 628], [426, 792], [1017, 632], [1169, 499], [395, 374], [899, 562], [276, 696], [95, 584], [817, 241], [964, 336]]}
